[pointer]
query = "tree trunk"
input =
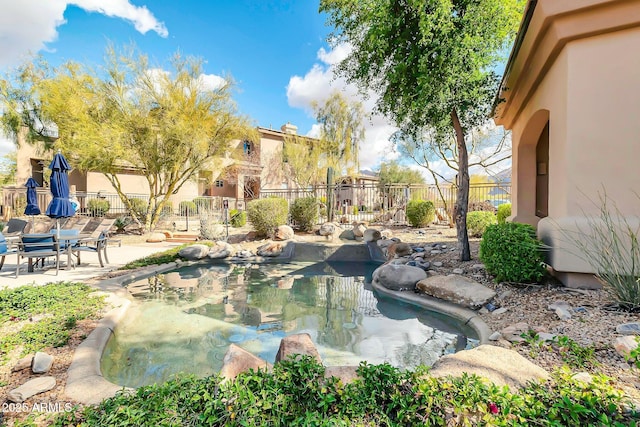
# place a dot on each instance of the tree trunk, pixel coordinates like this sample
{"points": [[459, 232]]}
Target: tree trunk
{"points": [[462, 196]]}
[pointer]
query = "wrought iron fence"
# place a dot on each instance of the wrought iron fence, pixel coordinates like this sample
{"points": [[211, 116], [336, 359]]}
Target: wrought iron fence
{"points": [[344, 203]]}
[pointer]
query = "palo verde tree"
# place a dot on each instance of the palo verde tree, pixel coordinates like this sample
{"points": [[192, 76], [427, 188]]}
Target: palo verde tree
{"points": [[169, 125], [432, 63]]}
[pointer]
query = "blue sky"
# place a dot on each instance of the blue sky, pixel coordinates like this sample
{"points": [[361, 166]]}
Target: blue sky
{"points": [[276, 50]]}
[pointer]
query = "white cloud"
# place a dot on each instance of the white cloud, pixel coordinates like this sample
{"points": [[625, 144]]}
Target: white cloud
{"points": [[211, 82], [316, 86], [26, 26], [7, 145]]}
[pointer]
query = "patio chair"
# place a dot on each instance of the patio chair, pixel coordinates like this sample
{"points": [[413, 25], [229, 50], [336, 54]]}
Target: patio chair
{"points": [[40, 226], [96, 245], [38, 246], [4, 249], [14, 227]]}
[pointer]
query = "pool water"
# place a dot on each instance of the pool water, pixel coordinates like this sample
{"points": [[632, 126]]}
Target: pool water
{"points": [[184, 320]]}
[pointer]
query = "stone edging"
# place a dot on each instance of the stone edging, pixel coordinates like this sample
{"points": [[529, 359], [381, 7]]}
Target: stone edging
{"points": [[85, 383], [466, 316]]}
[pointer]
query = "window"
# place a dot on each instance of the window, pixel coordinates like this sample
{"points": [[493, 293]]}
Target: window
{"points": [[219, 183], [247, 147]]}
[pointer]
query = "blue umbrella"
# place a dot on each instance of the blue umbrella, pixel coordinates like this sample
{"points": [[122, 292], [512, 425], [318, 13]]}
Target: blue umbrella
{"points": [[60, 206], [32, 198]]}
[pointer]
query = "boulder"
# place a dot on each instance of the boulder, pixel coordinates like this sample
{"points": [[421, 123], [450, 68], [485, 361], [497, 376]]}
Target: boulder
{"points": [[624, 345], [31, 388], [402, 249], [328, 229], [386, 233], [283, 232], [156, 237], [270, 249], [385, 243], [632, 328], [457, 289], [499, 365], [42, 362], [371, 235], [359, 229], [513, 333], [194, 252], [348, 235], [398, 277], [346, 374], [23, 363], [297, 344], [237, 360]]}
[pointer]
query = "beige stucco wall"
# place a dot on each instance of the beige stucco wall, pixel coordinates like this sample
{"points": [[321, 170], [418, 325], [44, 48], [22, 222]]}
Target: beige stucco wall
{"points": [[576, 68]]}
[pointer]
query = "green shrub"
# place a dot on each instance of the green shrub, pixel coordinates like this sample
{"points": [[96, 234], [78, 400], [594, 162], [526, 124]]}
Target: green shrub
{"points": [[202, 204], [478, 221], [420, 213], [266, 214], [187, 207], [167, 209], [237, 218], [355, 210], [139, 208], [504, 212], [481, 206], [98, 207], [304, 212], [511, 253]]}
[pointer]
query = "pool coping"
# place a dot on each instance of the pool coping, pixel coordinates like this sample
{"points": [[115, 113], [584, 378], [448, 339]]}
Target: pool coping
{"points": [[86, 384]]}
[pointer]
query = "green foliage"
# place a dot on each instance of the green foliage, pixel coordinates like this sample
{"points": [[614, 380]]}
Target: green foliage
{"points": [[138, 209], [634, 355], [19, 204], [512, 253], [296, 393], [393, 173], [267, 214], [202, 204], [121, 222], [237, 218], [61, 305], [304, 212], [187, 207], [420, 213], [504, 212], [478, 221], [98, 207], [167, 209], [573, 354]]}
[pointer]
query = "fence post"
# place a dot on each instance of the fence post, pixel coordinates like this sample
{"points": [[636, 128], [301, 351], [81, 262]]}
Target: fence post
{"points": [[329, 195]]}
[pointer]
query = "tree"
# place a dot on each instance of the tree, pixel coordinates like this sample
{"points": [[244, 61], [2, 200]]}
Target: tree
{"points": [[303, 160], [394, 173], [432, 63], [341, 131], [168, 125]]}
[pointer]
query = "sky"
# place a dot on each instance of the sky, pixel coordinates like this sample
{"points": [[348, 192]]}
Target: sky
{"points": [[275, 50]]}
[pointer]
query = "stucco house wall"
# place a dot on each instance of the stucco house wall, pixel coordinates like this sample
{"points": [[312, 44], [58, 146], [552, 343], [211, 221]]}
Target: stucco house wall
{"points": [[572, 82]]}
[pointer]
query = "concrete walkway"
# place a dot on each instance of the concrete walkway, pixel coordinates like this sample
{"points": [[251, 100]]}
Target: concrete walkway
{"points": [[90, 267]]}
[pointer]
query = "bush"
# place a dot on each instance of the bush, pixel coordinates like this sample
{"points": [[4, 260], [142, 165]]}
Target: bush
{"points": [[478, 221], [504, 212], [139, 208], [420, 213], [202, 204], [167, 209], [187, 207], [266, 214], [98, 207], [511, 253], [210, 229], [237, 218], [485, 206], [304, 212]]}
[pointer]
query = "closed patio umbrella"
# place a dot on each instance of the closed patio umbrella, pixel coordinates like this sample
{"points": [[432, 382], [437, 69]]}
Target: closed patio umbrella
{"points": [[60, 206], [32, 199]]}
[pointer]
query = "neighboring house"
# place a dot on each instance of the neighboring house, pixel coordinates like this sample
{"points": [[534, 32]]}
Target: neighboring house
{"points": [[248, 168], [571, 96], [358, 190]]}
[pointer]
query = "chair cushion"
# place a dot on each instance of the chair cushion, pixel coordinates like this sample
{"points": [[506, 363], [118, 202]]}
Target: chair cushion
{"points": [[38, 242]]}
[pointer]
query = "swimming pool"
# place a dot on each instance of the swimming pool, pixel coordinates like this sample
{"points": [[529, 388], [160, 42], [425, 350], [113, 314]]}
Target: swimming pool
{"points": [[184, 320]]}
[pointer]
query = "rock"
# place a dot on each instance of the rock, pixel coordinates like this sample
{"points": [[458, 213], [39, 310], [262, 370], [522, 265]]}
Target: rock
{"points": [[499, 311], [283, 232], [436, 252], [31, 388], [477, 267], [156, 237], [495, 336], [237, 360], [632, 328], [218, 252], [562, 309], [347, 235], [244, 253], [271, 249], [504, 295], [457, 271], [359, 229], [546, 336], [346, 374], [513, 333], [327, 229], [499, 365], [398, 277], [23, 363], [583, 377], [457, 289], [436, 264], [297, 344], [194, 252], [371, 235], [624, 345], [402, 249], [386, 233], [42, 362]]}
